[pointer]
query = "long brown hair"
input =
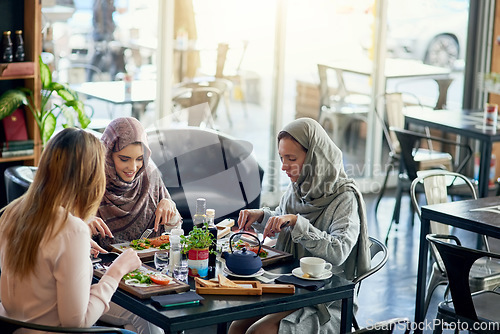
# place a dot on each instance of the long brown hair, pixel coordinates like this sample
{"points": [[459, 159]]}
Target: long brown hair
{"points": [[70, 176]]}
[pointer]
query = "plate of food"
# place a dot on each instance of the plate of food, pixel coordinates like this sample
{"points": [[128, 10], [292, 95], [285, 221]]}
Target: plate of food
{"points": [[143, 282], [145, 248]]}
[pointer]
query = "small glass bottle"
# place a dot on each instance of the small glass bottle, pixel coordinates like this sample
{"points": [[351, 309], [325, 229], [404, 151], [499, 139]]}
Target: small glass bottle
{"points": [[6, 51], [213, 230], [199, 217], [19, 46], [175, 248]]}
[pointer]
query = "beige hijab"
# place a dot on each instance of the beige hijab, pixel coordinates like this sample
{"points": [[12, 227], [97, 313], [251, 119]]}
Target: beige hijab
{"points": [[319, 186]]}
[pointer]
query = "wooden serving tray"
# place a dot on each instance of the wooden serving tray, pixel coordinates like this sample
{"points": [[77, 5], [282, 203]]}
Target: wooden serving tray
{"points": [[153, 290], [248, 288], [275, 256]]}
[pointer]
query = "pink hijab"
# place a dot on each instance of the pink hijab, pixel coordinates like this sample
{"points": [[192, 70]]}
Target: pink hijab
{"points": [[129, 208]]}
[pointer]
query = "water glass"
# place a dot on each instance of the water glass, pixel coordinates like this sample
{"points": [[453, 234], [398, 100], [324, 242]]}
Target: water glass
{"points": [[161, 262], [181, 270]]}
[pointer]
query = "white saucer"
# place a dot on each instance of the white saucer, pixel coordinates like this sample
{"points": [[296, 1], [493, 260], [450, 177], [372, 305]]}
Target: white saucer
{"points": [[258, 273], [297, 272]]}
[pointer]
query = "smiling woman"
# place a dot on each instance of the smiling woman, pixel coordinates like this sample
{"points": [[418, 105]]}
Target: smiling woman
{"points": [[136, 198]]}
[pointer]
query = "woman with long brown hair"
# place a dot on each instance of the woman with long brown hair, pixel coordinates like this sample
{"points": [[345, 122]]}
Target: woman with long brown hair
{"points": [[45, 239]]}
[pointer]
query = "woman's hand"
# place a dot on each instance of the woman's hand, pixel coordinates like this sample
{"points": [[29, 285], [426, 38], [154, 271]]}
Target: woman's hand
{"points": [[127, 261], [166, 213], [98, 226], [247, 217], [95, 249], [276, 224]]}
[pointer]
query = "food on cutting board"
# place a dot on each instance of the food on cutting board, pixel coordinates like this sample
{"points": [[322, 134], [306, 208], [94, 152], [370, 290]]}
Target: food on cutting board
{"points": [[161, 242], [262, 254], [224, 282]]}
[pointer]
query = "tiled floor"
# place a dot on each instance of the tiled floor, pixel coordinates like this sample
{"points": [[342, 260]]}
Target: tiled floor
{"points": [[387, 294]]}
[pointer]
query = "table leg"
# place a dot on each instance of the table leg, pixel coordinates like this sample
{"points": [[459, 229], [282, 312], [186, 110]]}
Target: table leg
{"points": [[443, 85], [421, 274], [484, 169], [346, 315]]}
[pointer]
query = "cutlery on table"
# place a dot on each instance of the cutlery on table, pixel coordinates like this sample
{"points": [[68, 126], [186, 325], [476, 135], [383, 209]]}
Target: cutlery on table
{"points": [[146, 233]]}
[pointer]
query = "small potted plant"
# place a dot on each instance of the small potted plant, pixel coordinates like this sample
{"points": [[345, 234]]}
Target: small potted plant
{"points": [[196, 244], [46, 116]]}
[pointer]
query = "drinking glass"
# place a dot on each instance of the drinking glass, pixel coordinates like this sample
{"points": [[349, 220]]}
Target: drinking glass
{"points": [[181, 270], [161, 262]]}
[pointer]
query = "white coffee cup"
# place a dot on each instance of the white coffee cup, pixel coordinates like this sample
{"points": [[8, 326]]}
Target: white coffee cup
{"points": [[314, 266]]}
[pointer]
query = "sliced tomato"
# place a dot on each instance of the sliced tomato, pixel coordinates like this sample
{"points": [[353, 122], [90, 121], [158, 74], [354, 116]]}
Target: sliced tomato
{"points": [[160, 279]]}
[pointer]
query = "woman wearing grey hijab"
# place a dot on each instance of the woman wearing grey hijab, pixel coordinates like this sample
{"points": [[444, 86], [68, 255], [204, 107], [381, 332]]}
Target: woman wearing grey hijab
{"points": [[322, 214]]}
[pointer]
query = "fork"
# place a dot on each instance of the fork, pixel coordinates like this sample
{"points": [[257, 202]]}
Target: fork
{"points": [[146, 233]]}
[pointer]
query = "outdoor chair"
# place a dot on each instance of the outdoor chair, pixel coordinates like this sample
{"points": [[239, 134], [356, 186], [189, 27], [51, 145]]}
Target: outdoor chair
{"points": [[9, 326], [438, 185], [476, 310], [196, 106], [340, 108], [414, 158], [377, 264]]}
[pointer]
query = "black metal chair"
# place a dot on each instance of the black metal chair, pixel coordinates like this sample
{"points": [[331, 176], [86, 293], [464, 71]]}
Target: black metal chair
{"points": [[475, 310], [438, 185], [414, 159], [375, 248], [9, 326]]}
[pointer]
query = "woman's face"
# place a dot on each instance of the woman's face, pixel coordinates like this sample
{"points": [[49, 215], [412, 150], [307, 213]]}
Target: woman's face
{"points": [[128, 161], [292, 156]]}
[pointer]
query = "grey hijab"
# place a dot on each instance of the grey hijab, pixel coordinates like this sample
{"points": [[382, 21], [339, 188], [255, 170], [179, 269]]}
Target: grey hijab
{"points": [[321, 180]]}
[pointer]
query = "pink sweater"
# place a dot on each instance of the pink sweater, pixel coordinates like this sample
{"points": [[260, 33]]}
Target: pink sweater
{"points": [[60, 292]]}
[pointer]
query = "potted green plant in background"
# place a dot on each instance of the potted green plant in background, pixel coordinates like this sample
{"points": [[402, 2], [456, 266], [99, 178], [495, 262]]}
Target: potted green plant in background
{"points": [[71, 107], [196, 244]]}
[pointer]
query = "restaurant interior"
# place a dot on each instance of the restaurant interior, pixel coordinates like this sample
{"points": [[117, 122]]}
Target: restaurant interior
{"points": [[401, 87]]}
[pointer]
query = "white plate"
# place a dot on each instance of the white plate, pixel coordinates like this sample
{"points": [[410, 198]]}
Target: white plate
{"points": [[297, 272], [258, 273]]}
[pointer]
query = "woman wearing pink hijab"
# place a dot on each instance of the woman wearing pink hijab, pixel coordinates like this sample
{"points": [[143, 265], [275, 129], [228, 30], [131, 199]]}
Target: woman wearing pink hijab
{"points": [[136, 198]]}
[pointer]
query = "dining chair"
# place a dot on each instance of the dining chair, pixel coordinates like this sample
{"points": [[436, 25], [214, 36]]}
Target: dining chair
{"points": [[197, 106], [376, 247], [441, 187], [476, 309], [9, 325], [341, 109], [415, 158], [386, 327], [224, 85], [391, 114]]}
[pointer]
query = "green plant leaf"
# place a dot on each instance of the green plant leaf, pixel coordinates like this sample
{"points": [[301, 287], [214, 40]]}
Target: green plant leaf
{"points": [[49, 126], [45, 74], [11, 100]]}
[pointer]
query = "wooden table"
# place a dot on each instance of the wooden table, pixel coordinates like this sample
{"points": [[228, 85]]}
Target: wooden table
{"points": [[456, 214], [222, 309], [468, 123]]}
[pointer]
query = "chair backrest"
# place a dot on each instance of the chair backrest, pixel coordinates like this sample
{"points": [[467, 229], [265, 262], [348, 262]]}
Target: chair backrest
{"points": [[386, 327], [18, 180], [200, 103], [458, 261], [331, 87], [9, 326], [436, 184], [410, 142], [196, 162], [78, 73], [375, 248]]}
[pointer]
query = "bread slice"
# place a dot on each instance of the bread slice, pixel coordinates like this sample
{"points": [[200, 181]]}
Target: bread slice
{"points": [[205, 283], [225, 282]]}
